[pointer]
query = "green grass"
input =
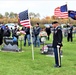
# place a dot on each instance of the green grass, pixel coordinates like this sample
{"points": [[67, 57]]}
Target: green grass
{"points": [[21, 63]]}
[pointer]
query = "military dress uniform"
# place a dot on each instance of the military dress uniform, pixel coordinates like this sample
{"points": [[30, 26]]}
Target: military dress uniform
{"points": [[57, 41], [69, 36]]}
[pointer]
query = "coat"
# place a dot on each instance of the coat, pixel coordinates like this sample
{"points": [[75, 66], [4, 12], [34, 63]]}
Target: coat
{"points": [[57, 37], [1, 35]]}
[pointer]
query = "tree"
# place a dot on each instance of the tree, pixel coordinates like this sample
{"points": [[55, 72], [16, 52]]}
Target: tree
{"points": [[11, 15], [1, 16], [6, 14], [33, 15], [38, 15], [15, 15], [46, 19]]}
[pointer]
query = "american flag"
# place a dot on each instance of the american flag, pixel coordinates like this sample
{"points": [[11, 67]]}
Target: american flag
{"points": [[24, 19], [61, 12]]}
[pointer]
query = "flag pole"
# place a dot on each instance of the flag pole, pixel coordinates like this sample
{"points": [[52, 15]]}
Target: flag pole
{"points": [[32, 44], [31, 41], [67, 11]]}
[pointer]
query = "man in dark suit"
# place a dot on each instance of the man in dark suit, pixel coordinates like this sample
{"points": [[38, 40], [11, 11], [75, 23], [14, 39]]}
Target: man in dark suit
{"points": [[57, 43]]}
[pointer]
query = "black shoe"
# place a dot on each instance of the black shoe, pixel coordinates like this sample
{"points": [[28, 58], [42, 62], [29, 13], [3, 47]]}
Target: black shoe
{"points": [[55, 65], [59, 66]]}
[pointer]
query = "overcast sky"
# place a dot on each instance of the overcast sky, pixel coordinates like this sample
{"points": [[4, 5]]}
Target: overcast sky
{"points": [[43, 7]]}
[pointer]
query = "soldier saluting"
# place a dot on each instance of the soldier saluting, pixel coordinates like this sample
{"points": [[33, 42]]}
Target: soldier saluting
{"points": [[57, 43]]}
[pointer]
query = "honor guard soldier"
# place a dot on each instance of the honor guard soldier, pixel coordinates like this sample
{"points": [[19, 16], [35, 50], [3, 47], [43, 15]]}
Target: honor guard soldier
{"points": [[70, 29], [57, 43]]}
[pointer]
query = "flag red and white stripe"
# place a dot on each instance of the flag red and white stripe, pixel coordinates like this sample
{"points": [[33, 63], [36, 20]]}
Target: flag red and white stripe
{"points": [[25, 23], [59, 14]]}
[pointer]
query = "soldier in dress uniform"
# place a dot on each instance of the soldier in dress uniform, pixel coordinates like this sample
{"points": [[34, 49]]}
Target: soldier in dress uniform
{"points": [[57, 43], [70, 29]]}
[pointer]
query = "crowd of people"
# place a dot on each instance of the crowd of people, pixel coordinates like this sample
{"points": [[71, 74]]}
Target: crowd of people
{"points": [[37, 33], [6, 32]]}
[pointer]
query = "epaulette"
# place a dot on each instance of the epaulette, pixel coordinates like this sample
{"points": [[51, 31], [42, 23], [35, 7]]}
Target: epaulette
{"points": [[59, 28]]}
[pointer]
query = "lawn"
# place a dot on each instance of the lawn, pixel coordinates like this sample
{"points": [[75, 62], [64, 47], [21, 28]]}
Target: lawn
{"points": [[21, 63]]}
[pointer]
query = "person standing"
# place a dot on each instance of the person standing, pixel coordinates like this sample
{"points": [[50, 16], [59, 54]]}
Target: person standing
{"points": [[27, 36], [3, 27], [57, 43], [7, 32], [1, 35], [14, 33], [48, 30], [36, 31], [69, 36]]}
